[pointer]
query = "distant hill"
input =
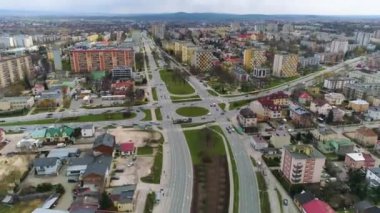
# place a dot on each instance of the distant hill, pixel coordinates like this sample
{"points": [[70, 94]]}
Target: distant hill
{"points": [[189, 17]]}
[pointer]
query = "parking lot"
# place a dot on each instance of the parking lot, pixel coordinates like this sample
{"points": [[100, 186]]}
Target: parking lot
{"points": [[67, 198]]}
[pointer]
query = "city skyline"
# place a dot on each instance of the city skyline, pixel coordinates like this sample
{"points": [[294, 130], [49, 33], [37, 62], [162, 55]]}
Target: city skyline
{"points": [[321, 7]]}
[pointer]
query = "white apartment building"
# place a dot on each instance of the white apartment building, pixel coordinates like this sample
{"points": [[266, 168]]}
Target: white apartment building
{"points": [[13, 69], [338, 46]]}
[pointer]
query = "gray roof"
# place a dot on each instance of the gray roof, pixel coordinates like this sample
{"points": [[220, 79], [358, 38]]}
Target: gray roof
{"points": [[43, 162], [88, 126], [296, 152], [85, 160], [99, 166], [105, 139], [375, 170], [304, 197], [125, 193]]}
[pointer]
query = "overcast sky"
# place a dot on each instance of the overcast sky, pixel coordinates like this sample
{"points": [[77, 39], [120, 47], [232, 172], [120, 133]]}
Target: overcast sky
{"points": [[318, 7]]}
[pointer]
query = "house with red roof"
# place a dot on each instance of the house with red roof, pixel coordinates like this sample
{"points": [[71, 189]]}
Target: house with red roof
{"points": [[304, 98], [317, 206], [320, 106], [120, 88], [127, 148]]}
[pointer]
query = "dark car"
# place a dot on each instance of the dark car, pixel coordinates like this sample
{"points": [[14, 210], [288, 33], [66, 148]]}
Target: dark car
{"points": [[115, 178], [285, 201]]}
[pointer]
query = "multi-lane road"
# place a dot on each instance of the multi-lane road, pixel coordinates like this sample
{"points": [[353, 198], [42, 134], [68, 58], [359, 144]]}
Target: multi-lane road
{"points": [[177, 178]]}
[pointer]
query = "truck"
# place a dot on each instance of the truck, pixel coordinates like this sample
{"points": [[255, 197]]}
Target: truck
{"points": [[182, 120]]}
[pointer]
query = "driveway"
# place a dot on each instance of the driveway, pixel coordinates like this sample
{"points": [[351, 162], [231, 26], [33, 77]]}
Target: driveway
{"points": [[67, 198]]}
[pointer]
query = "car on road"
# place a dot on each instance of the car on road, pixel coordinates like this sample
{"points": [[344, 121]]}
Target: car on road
{"points": [[285, 201], [2, 121], [203, 118], [73, 179], [115, 178]]}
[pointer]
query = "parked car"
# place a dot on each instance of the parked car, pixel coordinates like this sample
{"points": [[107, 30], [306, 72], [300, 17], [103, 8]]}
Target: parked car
{"points": [[73, 179], [115, 178], [61, 145]]}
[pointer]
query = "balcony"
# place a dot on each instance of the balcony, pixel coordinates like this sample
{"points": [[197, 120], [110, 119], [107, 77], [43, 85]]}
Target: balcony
{"points": [[296, 175]]}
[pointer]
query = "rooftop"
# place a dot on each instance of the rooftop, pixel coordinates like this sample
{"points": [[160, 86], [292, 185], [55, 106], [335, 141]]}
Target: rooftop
{"points": [[359, 101], [259, 139], [356, 156], [105, 139], [304, 197], [42, 162], [366, 132], [99, 166], [375, 170], [303, 151], [317, 206], [247, 113]]}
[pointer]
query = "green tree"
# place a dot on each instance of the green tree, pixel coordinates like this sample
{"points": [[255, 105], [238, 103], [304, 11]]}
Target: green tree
{"points": [[330, 117], [105, 202]]}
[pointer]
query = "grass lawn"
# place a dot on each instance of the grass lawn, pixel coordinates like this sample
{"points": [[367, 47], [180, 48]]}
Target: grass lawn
{"points": [[273, 82], [176, 86], [279, 199], [192, 111], [155, 173], [66, 102], [148, 115], [158, 114], [234, 172], [42, 110], [154, 94], [195, 141], [264, 201], [222, 106], [212, 92], [145, 150], [186, 100], [22, 207], [14, 113], [150, 201], [175, 98], [238, 104], [85, 118]]}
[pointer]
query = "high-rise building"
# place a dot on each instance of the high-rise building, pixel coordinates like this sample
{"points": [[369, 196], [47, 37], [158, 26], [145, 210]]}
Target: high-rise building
{"points": [[100, 59], [302, 164], [254, 58], [363, 38], [235, 26], [6, 42], [158, 30], [23, 41], [202, 60], [285, 65], [338, 46], [287, 28], [13, 69], [178, 48], [376, 34], [187, 52], [57, 59], [272, 27]]}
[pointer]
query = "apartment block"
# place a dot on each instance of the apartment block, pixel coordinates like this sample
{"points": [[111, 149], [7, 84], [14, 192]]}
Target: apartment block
{"points": [[158, 30], [188, 50], [14, 69], [302, 164], [338, 46], [254, 58], [285, 65], [100, 59], [202, 60]]}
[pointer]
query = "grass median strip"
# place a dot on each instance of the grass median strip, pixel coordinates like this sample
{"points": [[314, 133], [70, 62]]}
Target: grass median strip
{"points": [[192, 111], [158, 114], [176, 83], [84, 118], [210, 165], [264, 198], [238, 104], [234, 172], [148, 115], [154, 93], [155, 173]]}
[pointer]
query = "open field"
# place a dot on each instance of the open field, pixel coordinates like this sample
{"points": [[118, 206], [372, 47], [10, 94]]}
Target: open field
{"points": [[211, 178]]}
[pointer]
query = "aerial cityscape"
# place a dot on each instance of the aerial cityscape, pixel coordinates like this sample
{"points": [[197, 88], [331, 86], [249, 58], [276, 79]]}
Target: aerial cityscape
{"points": [[190, 106]]}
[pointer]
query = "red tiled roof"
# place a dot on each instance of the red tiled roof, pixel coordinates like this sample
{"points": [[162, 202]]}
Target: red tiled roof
{"points": [[368, 157], [317, 206], [305, 95], [122, 84], [127, 147]]}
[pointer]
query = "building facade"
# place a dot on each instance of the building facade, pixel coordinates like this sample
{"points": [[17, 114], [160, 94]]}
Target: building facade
{"points": [[202, 60], [100, 59], [285, 65], [302, 164], [14, 69]]}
